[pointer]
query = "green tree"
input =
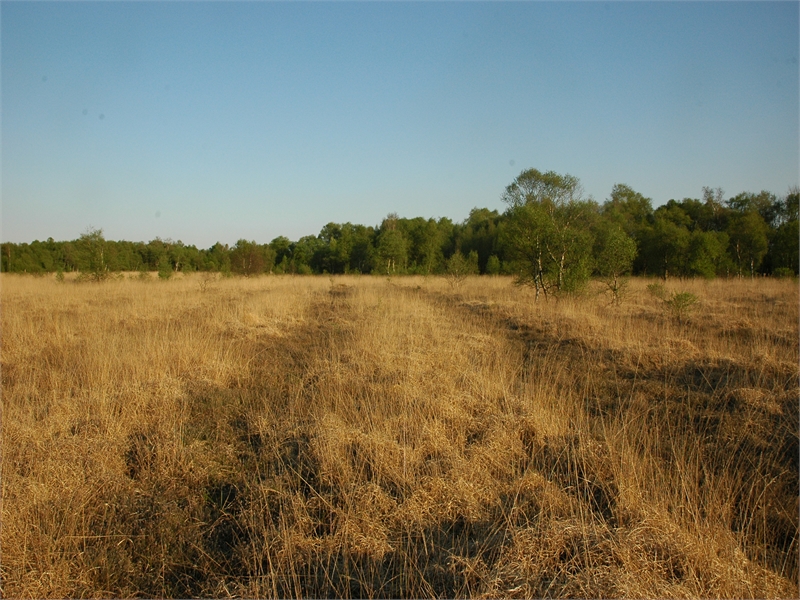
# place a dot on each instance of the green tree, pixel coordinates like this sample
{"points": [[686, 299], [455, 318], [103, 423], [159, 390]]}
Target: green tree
{"points": [[92, 245], [425, 240], [392, 246], [282, 250], [666, 243], [164, 268], [764, 203], [748, 241], [362, 250], [480, 233], [615, 259], [217, 258], [6, 252], [548, 230], [493, 265], [633, 212], [458, 267], [629, 209], [784, 240], [303, 251], [716, 212], [707, 253]]}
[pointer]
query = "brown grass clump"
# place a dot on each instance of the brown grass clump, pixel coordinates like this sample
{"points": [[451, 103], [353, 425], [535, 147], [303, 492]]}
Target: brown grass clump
{"points": [[353, 437]]}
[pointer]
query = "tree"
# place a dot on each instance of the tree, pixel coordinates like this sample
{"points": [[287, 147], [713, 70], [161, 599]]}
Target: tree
{"points": [[303, 251], [480, 233], [615, 259], [707, 253], [633, 212], [5, 256], [459, 268], [548, 230], [493, 265], [218, 258], [784, 242], [362, 251], [425, 241], [247, 259], [629, 209], [764, 203], [282, 250], [715, 209], [164, 268], [92, 245], [392, 246], [748, 240]]}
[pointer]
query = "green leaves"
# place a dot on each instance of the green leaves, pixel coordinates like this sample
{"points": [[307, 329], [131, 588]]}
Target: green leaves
{"points": [[548, 233], [92, 246]]}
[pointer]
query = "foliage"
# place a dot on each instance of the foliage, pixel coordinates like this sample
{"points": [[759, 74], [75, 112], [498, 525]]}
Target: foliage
{"points": [[748, 241], [493, 265], [680, 304], [459, 267], [249, 259], [392, 249], [164, 268], [547, 232], [657, 290], [92, 246], [615, 259], [677, 304], [549, 236]]}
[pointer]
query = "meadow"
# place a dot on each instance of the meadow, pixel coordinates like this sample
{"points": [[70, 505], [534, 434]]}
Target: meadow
{"points": [[288, 436]]}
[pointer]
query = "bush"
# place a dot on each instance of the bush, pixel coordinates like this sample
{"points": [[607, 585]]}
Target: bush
{"points": [[657, 290], [680, 304]]}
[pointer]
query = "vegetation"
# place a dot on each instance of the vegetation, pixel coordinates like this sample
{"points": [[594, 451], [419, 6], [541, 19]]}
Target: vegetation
{"points": [[214, 431], [343, 437], [551, 237]]}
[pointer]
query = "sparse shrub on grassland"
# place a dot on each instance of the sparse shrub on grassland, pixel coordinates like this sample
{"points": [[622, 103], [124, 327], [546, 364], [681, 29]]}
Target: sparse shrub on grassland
{"points": [[206, 279], [284, 436], [657, 290], [678, 304], [681, 304]]}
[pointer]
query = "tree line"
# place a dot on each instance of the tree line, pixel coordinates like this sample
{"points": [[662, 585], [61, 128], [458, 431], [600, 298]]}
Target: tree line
{"points": [[550, 236]]}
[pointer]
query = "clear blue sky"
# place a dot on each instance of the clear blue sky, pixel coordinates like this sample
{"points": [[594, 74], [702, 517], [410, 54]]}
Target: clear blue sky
{"points": [[211, 121]]}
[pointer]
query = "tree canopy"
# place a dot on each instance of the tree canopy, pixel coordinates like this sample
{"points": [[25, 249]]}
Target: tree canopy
{"points": [[550, 236]]}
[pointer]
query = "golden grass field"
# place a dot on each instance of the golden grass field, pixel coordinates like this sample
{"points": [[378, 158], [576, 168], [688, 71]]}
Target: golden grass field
{"points": [[363, 437]]}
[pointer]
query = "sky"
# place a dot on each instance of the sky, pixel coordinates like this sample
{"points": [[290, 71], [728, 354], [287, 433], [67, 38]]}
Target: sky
{"points": [[216, 121]]}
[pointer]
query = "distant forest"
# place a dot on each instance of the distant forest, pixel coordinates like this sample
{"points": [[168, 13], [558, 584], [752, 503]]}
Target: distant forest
{"points": [[548, 222]]}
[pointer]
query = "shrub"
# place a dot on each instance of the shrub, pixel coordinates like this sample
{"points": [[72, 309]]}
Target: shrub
{"points": [[657, 290], [677, 304], [680, 304]]}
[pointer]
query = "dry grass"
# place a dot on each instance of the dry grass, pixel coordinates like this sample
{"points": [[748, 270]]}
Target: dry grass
{"points": [[333, 437]]}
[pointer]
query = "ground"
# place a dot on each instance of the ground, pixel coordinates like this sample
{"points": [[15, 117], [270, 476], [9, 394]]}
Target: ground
{"points": [[404, 437]]}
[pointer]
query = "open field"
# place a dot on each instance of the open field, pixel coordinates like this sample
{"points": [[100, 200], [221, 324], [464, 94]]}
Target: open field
{"points": [[365, 437]]}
